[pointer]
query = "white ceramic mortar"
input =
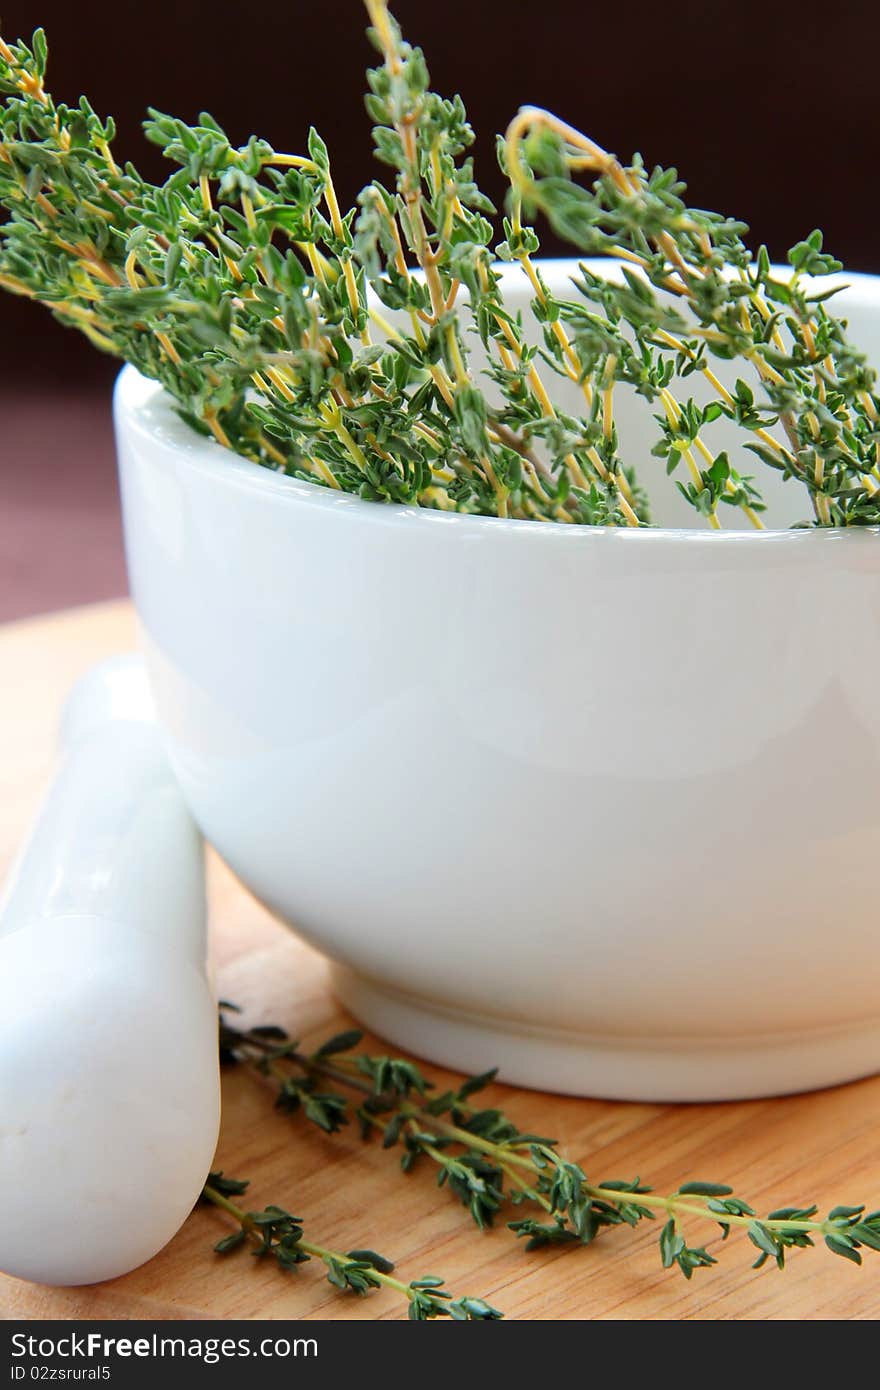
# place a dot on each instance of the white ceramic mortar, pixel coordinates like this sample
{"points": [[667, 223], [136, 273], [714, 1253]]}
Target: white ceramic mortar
{"points": [[597, 806]]}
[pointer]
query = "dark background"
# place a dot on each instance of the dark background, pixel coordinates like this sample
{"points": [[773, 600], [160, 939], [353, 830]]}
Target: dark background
{"points": [[768, 111]]}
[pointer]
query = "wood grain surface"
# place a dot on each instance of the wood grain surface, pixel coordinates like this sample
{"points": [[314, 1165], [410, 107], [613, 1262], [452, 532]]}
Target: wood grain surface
{"points": [[794, 1150]]}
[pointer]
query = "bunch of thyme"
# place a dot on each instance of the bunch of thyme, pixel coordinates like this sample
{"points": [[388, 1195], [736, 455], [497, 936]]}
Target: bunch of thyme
{"points": [[488, 1164], [242, 286]]}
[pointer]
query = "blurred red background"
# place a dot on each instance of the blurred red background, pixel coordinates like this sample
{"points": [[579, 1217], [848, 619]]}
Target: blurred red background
{"points": [[768, 111]]}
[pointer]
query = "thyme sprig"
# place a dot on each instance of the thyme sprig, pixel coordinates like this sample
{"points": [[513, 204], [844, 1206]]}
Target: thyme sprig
{"points": [[337, 346], [489, 1164], [275, 1234]]}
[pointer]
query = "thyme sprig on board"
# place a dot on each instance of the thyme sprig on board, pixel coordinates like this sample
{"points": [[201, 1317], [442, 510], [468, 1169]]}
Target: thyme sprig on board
{"points": [[330, 343], [489, 1164], [275, 1234]]}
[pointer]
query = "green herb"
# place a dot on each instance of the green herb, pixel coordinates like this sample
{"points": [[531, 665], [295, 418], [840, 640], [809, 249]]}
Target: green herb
{"points": [[273, 1233], [329, 344], [488, 1164]]}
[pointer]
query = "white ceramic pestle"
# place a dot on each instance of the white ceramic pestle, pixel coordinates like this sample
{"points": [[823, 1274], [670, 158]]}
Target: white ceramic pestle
{"points": [[109, 1086]]}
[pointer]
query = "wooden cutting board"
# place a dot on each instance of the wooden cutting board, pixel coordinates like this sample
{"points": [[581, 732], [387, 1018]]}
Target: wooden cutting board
{"points": [[794, 1150]]}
